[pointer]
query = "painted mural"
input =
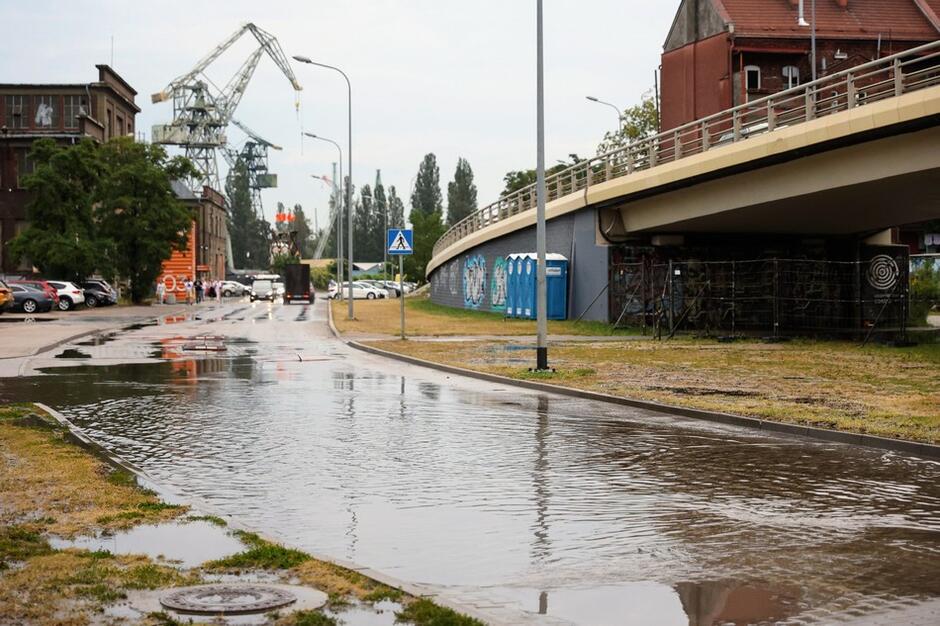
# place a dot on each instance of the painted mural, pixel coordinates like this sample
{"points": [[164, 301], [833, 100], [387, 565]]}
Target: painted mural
{"points": [[452, 277], [474, 281], [499, 284]]}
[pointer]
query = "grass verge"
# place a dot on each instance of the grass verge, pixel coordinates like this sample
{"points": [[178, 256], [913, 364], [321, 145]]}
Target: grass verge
{"points": [[425, 318], [878, 390]]}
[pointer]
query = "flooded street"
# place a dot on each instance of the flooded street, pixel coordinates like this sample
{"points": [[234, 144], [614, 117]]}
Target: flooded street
{"points": [[514, 501]]}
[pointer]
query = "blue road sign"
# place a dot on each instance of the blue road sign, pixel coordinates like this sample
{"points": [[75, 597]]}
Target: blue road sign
{"points": [[400, 241]]}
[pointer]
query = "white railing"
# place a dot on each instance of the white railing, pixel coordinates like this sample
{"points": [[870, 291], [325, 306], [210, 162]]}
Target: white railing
{"points": [[891, 76]]}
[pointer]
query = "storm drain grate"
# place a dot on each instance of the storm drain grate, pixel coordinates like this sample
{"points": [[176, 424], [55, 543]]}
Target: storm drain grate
{"points": [[227, 599]]}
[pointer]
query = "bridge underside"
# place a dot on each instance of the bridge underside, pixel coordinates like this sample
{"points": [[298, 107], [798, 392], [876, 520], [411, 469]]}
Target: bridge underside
{"points": [[856, 189]]}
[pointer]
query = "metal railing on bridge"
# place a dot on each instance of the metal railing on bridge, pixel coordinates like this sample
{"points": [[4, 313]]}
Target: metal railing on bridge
{"points": [[889, 77]]}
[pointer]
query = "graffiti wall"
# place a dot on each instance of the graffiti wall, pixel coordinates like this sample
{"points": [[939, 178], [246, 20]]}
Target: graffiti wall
{"points": [[499, 284], [474, 281]]}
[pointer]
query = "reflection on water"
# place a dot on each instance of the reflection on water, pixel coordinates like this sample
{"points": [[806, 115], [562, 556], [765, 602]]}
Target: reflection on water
{"points": [[567, 508]]}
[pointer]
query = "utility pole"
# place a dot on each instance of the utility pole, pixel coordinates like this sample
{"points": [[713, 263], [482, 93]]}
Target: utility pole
{"points": [[541, 350]]}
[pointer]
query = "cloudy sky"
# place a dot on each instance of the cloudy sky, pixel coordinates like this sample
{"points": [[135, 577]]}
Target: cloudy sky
{"points": [[456, 78]]}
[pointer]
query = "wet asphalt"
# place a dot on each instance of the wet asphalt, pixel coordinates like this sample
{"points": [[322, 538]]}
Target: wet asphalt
{"points": [[514, 502]]}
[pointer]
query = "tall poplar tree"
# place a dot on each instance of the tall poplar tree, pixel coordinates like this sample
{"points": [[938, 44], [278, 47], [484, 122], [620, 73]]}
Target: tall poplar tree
{"points": [[396, 209], [461, 193], [426, 197]]}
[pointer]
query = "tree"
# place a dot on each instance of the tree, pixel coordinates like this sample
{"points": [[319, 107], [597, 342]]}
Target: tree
{"points": [[138, 212], [302, 226], [363, 218], [637, 122], [426, 197], [427, 230], [249, 233], [396, 209], [62, 238], [461, 193], [380, 218], [516, 180]]}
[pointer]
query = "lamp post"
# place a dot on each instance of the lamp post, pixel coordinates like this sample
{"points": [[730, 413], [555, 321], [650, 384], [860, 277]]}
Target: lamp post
{"points": [[801, 21], [613, 106], [349, 251], [541, 350], [339, 222]]}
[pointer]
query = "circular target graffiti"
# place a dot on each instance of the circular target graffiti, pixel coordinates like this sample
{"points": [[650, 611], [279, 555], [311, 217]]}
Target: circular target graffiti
{"points": [[883, 272]]}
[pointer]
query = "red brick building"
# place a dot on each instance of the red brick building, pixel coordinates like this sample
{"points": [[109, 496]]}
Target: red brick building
{"points": [[64, 112], [722, 53]]}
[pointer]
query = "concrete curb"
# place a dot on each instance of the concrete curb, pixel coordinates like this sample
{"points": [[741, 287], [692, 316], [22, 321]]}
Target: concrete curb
{"points": [[76, 436], [836, 436], [56, 344]]}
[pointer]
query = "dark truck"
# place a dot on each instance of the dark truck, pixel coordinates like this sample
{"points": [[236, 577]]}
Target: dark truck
{"points": [[297, 285]]}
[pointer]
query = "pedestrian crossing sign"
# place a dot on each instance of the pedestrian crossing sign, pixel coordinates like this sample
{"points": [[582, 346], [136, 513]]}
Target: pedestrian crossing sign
{"points": [[400, 241]]}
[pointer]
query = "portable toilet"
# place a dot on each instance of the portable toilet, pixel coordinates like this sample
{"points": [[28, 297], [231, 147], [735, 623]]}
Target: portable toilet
{"points": [[529, 287], [510, 285], [520, 285], [556, 286]]}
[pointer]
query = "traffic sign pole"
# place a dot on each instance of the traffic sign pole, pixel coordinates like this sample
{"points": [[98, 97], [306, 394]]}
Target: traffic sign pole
{"points": [[401, 292], [400, 242]]}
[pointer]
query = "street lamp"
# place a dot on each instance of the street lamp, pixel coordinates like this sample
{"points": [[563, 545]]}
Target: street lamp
{"points": [[613, 106], [349, 217], [541, 315], [801, 22], [339, 224]]}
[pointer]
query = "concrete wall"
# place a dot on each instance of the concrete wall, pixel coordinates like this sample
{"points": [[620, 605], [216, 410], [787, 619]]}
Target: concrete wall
{"points": [[475, 279]]}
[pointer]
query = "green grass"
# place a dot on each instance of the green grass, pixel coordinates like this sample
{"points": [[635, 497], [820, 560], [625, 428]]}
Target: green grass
{"points": [[423, 612], [16, 411], [18, 544], [260, 554], [212, 519], [311, 618], [122, 478], [382, 593]]}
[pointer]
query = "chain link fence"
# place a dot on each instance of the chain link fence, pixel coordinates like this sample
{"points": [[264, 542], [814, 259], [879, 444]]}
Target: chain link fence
{"points": [[886, 291]]}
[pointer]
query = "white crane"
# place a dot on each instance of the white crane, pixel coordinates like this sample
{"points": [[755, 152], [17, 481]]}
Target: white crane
{"points": [[201, 114]]}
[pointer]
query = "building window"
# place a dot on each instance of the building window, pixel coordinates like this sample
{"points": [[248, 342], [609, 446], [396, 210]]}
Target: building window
{"points": [[791, 76], [73, 107], [24, 165], [17, 111], [47, 112], [752, 75]]}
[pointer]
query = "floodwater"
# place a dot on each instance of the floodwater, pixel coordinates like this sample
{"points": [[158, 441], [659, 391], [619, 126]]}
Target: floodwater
{"points": [[583, 512]]}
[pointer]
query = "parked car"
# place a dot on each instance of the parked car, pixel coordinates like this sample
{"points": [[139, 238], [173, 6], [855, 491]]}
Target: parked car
{"points": [[261, 290], [6, 297], [70, 294], [383, 291], [103, 284], [233, 288], [361, 291], [96, 295], [42, 285], [30, 299]]}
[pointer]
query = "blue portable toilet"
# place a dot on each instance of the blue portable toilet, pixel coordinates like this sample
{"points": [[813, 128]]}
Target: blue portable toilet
{"points": [[520, 285], [556, 285], [529, 287], [510, 285]]}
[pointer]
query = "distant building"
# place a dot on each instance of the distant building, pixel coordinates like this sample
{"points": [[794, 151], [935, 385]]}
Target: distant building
{"points": [[64, 112], [204, 254], [722, 53]]}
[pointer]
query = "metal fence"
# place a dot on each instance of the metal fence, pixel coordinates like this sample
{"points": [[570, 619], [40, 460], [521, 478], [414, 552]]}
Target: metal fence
{"points": [[772, 297], [891, 76]]}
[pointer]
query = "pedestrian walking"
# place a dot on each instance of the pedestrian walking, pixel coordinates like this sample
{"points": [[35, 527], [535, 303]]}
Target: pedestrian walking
{"points": [[161, 290], [190, 291], [218, 291], [199, 290]]}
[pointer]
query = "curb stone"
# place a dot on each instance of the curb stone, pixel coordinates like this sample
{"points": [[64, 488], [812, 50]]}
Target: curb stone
{"points": [[903, 446]]}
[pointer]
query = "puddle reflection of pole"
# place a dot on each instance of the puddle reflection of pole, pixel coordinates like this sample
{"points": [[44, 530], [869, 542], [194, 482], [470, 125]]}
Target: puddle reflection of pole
{"points": [[541, 546]]}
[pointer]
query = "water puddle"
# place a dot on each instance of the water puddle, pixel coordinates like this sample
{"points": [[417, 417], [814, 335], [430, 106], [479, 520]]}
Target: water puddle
{"points": [[25, 320], [188, 543]]}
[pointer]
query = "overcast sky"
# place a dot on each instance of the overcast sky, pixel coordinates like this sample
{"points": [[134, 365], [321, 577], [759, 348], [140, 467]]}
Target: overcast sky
{"points": [[456, 78]]}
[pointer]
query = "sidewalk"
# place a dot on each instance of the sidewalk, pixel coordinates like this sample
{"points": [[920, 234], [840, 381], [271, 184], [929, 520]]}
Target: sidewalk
{"points": [[26, 335]]}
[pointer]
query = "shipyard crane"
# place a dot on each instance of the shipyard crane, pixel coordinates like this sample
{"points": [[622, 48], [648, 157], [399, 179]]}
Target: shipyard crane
{"points": [[202, 111], [254, 154]]}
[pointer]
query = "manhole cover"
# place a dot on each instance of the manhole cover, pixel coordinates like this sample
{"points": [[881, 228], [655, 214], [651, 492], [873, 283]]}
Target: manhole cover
{"points": [[227, 599]]}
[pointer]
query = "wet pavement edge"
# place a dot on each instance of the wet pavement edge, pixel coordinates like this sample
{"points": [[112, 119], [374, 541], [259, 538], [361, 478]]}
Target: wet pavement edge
{"points": [[78, 437], [904, 446]]}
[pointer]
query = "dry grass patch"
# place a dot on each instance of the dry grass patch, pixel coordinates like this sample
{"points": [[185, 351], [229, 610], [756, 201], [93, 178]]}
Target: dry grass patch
{"points": [[891, 392], [45, 479], [426, 319]]}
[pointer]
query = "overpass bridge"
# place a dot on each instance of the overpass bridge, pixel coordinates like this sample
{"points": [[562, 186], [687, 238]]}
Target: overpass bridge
{"points": [[811, 172]]}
